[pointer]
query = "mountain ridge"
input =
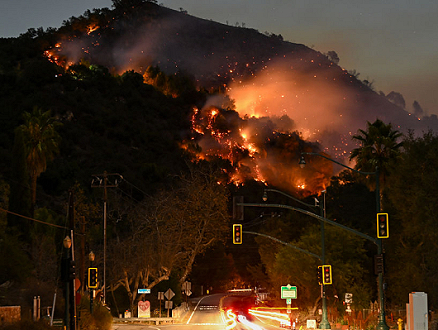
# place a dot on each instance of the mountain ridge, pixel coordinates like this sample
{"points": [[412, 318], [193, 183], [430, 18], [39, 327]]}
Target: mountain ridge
{"points": [[220, 56]]}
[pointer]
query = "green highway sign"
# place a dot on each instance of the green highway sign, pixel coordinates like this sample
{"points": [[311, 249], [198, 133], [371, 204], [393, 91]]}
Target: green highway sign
{"points": [[58, 323], [288, 292]]}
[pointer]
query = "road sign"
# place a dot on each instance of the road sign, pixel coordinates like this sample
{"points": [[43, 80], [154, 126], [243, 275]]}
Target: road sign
{"points": [[58, 323], [169, 294], [288, 301], [142, 291], [160, 295], [288, 291]]}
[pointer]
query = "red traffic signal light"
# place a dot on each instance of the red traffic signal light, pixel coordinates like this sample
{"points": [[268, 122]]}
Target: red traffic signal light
{"points": [[237, 234], [382, 225], [92, 278], [326, 274]]}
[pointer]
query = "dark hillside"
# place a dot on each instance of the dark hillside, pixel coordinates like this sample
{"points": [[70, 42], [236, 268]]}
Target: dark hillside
{"points": [[323, 99], [114, 121]]}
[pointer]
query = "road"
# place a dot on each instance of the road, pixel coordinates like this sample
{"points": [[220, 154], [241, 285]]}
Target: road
{"points": [[208, 314]]}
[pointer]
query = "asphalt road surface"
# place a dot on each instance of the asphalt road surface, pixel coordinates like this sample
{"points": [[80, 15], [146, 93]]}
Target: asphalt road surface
{"points": [[209, 314]]}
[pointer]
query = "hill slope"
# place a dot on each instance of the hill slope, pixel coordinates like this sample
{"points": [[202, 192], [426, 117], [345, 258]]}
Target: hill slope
{"points": [[118, 123], [262, 73]]}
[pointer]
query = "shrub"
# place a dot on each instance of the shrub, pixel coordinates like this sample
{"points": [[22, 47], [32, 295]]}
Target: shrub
{"points": [[100, 319]]}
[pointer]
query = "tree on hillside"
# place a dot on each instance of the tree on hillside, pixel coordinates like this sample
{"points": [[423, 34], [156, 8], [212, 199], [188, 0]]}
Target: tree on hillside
{"points": [[41, 142], [20, 197], [414, 231], [129, 4], [379, 147]]}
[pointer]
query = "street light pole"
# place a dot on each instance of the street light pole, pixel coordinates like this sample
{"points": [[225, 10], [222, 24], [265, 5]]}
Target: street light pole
{"points": [[91, 257], [381, 325], [102, 181], [67, 245]]}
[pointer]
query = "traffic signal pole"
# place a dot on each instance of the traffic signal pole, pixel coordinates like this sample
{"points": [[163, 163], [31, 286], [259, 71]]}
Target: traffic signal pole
{"points": [[72, 270], [324, 324], [381, 325]]}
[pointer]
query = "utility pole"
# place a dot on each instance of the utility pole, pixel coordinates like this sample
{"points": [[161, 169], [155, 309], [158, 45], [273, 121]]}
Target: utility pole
{"points": [[105, 180], [71, 217]]}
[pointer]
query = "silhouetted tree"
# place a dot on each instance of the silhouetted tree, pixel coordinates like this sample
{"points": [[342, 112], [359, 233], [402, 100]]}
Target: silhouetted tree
{"points": [[397, 99], [41, 142], [418, 110], [20, 197], [333, 56], [412, 265], [379, 147]]}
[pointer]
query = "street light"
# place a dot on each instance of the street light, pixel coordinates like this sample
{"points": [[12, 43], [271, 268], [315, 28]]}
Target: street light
{"points": [[324, 324], [381, 325], [67, 245], [67, 242], [91, 257]]}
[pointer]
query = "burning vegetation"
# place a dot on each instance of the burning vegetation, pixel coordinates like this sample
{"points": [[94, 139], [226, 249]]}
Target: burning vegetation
{"points": [[255, 149], [274, 97]]}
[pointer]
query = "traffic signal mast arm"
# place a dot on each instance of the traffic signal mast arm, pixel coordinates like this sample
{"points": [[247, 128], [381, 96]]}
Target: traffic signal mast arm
{"points": [[358, 233], [284, 243]]}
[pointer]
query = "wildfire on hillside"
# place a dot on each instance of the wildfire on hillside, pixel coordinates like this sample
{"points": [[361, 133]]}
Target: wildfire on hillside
{"points": [[272, 110], [255, 149]]}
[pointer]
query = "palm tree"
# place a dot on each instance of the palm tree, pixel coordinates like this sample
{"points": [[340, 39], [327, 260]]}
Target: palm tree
{"points": [[41, 145], [379, 148]]}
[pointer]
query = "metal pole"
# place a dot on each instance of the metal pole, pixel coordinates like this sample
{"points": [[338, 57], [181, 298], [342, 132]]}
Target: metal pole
{"points": [[105, 178], [381, 325], [97, 182], [324, 324], [73, 290], [91, 290], [71, 217], [67, 296]]}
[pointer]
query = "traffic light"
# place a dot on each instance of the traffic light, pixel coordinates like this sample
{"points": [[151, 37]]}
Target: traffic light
{"points": [[92, 278], [382, 225], [319, 275], [326, 274], [237, 209], [237, 234], [72, 270]]}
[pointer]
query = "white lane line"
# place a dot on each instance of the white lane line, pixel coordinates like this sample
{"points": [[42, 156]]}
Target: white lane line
{"points": [[196, 307]]}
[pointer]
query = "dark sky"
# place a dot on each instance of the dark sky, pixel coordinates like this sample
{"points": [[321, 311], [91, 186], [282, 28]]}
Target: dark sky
{"points": [[392, 43]]}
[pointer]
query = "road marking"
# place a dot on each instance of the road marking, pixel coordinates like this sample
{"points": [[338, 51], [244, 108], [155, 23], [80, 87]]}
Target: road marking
{"points": [[188, 321]]}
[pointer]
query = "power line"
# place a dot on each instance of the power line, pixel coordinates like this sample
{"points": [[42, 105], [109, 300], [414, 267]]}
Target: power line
{"points": [[32, 219]]}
